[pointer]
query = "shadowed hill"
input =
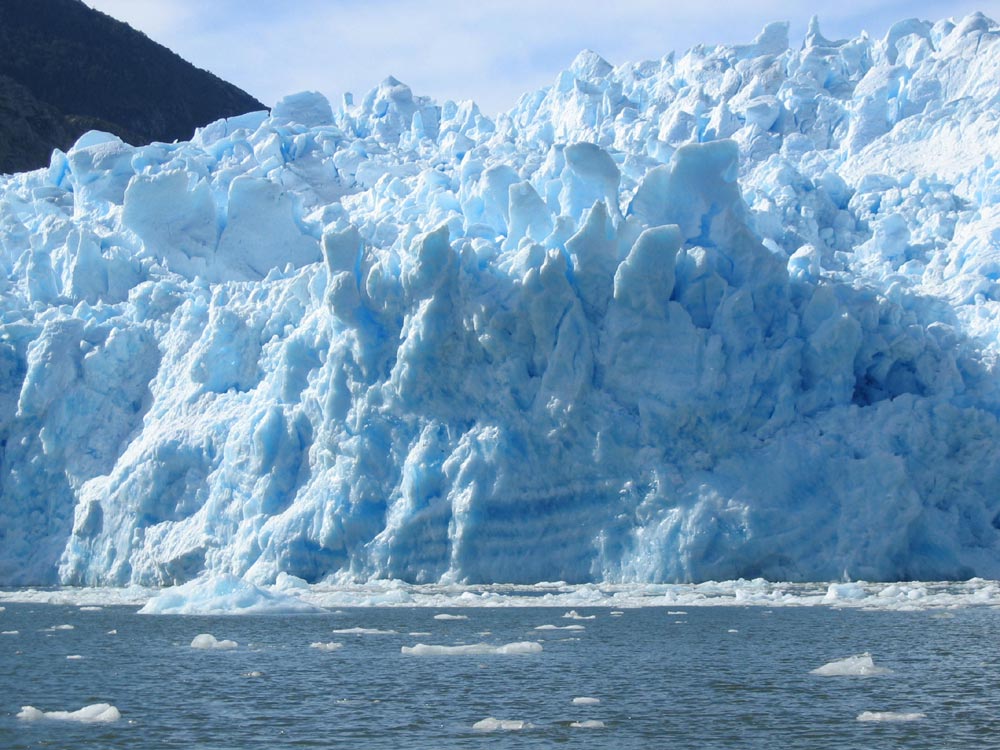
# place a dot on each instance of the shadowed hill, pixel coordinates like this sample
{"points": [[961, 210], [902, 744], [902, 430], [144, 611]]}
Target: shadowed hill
{"points": [[66, 68]]}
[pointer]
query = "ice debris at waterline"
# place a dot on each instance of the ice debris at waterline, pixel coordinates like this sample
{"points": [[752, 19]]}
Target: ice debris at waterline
{"points": [[97, 713], [609, 597], [223, 595], [727, 314]]}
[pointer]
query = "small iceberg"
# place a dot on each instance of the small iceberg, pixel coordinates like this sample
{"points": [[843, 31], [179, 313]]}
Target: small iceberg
{"points": [[97, 713], [208, 641], [860, 665], [589, 724]]}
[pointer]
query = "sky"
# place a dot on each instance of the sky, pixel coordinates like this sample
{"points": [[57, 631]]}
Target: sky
{"points": [[490, 51]]}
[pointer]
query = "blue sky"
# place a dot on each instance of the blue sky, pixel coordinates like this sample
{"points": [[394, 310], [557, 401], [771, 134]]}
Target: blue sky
{"points": [[490, 51]]}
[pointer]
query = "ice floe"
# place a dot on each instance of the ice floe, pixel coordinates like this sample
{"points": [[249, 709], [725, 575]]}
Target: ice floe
{"points": [[489, 724], [328, 646], [476, 649], [208, 641], [97, 713], [890, 716], [860, 665]]}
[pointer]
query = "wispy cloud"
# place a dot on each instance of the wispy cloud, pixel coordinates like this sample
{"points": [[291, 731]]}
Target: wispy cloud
{"points": [[490, 51]]}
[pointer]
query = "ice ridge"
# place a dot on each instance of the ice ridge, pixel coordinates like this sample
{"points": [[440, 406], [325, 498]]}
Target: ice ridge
{"points": [[728, 314]]}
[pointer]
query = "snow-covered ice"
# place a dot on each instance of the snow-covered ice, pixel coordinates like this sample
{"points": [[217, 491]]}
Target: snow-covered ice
{"points": [[860, 665], [209, 642], [586, 701], [445, 616], [97, 713], [733, 313]]}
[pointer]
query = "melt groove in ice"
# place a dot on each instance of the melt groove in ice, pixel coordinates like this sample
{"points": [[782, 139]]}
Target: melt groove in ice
{"points": [[727, 314]]}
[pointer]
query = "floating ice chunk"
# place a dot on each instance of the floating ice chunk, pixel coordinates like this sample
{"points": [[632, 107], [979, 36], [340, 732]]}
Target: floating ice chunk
{"points": [[9, 632], [676, 612], [574, 615], [560, 627], [420, 633], [890, 716], [589, 724], [113, 632], [521, 647], [363, 631], [586, 701], [450, 617], [91, 609], [860, 665], [254, 673], [616, 613], [844, 591], [732, 630], [74, 657], [329, 646], [209, 641], [490, 724], [223, 595], [92, 714]]}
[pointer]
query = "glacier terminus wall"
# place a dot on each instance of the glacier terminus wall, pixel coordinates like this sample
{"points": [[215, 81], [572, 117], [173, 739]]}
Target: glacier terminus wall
{"points": [[729, 314]]}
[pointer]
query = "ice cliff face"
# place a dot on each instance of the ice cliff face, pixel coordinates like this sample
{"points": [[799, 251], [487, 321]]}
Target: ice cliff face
{"points": [[732, 314]]}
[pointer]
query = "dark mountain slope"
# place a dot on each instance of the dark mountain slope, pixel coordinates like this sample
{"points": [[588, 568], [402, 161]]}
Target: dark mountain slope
{"points": [[66, 68]]}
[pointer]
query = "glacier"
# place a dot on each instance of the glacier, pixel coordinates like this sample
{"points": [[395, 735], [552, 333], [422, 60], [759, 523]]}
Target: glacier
{"points": [[728, 314]]}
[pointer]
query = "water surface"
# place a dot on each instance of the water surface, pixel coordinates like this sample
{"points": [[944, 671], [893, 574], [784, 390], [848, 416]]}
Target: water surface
{"points": [[664, 678]]}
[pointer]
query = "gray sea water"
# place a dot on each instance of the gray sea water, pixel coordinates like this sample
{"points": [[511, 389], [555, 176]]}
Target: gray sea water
{"points": [[716, 677]]}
